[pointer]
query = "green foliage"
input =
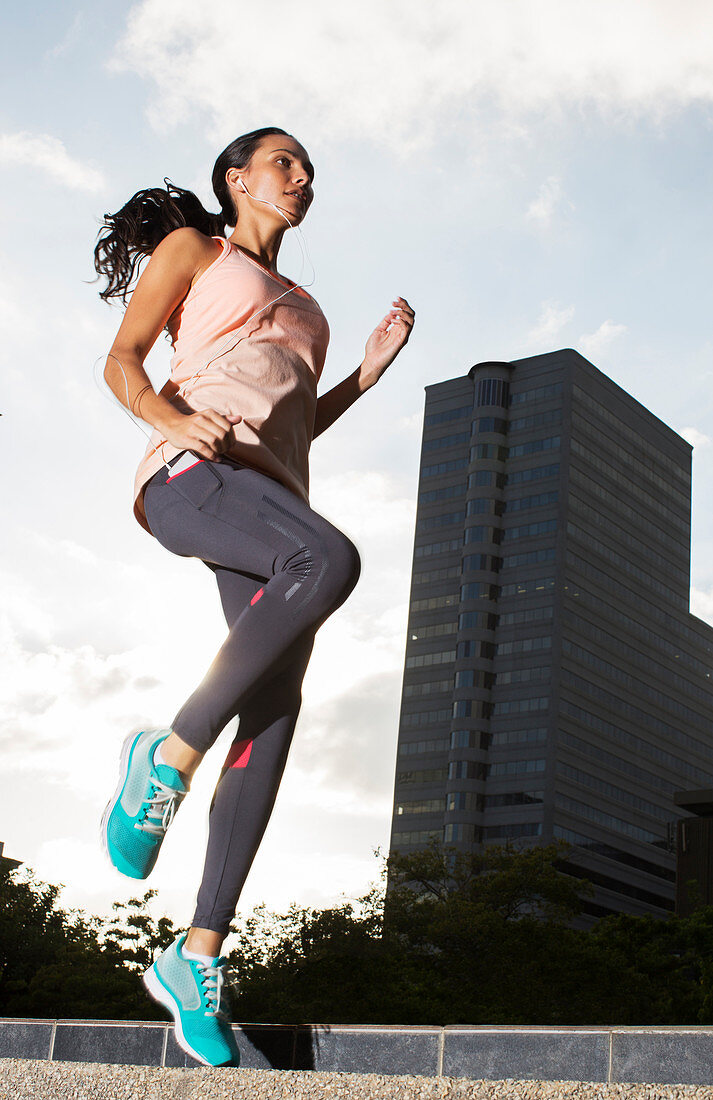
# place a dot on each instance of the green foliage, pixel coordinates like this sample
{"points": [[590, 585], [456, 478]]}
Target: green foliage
{"points": [[56, 963], [443, 938], [136, 936], [285, 964]]}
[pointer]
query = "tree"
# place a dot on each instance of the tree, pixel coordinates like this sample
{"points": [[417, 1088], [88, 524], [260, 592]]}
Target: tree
{"points": [[502, 879], [135, 935], [52, 963], [455, 939]]}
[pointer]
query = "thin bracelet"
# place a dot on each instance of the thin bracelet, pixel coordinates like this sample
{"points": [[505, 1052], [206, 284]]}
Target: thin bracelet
{"points": [[136, 403]]}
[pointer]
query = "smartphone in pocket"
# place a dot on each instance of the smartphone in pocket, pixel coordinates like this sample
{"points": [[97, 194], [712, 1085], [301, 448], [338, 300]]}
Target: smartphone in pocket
{"points": [[195, 479]]}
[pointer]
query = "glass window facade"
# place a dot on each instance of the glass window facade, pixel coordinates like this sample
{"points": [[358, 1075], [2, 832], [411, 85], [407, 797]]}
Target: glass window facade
{"points": [[475, 648], [464, 801], [535, 473], [444, 441], [466, 769], [482, 478], [417, 748], [425, 718], [490, 424], [445, 574], [517, 737], [422, 660], [481, 533], [447, 519], [492, 391], [422, 775], [530, 557], [488, 562], [538, 393], [419, 836], [477, 620], [479, 590], [447, 493], [528, 587], [516, 767], [432, 603], [529, 530], [468, 739], [521, 706], [523, 675], [619, 856], [531, 615], [530, 828], [429, 687], [539, 500], [431, 549], [489, 450], [615, 824], [446, 415], [583, 656], [422, 806], [457, 831], [696, 772], [610, 790], [444, 467], [433, 630], [484, 506], [524, 645], [537, 420], [551, 443], [514, 798]]}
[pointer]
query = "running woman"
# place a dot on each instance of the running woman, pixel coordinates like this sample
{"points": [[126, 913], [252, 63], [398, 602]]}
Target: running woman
{"points": [[225, 479]]}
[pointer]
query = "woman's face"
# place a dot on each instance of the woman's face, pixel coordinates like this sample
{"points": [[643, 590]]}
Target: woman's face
{"points": [[280, 172]]}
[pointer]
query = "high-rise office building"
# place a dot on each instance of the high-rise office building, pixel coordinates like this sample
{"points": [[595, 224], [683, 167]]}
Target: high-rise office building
{"points": [[555, 683]]}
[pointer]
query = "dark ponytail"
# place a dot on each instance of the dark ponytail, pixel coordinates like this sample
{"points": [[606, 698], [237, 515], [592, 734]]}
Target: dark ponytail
{"points": [[149, 216]]}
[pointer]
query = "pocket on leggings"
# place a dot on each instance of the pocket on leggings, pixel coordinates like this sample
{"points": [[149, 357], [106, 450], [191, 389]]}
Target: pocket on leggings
{"points": [[199, 484]]}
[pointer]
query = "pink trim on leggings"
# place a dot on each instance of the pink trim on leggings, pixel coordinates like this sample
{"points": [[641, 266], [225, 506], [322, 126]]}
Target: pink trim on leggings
{"points": [[239, 754]]}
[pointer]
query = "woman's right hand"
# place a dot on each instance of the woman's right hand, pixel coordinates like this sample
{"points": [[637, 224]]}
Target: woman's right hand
{"points": [[206, 433]]}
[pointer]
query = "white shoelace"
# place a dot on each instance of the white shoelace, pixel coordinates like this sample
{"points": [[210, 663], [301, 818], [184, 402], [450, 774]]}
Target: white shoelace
{"points": [[213, 979], [162, 806]]}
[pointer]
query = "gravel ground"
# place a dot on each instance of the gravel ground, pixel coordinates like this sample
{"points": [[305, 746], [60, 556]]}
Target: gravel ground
{"points": [[25, 1080]]}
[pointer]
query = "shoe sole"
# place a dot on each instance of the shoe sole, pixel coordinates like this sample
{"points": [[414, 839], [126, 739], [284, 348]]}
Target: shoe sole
{"points": [[126, 748], [157, 990]]}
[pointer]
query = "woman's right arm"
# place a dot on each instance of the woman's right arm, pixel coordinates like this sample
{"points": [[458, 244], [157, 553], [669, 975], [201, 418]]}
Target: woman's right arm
{"points": [[164, 283]]}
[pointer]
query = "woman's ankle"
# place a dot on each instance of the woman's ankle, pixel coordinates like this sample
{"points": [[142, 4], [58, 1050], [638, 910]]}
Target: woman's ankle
{"points": [[177, 754], [203, 941]]}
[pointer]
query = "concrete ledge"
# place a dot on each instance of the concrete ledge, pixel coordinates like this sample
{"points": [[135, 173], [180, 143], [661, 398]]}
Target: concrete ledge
{"points": [[606, 1055]]}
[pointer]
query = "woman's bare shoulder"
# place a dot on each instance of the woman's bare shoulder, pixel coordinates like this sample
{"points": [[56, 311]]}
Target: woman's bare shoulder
{"points": [[189, 244]]}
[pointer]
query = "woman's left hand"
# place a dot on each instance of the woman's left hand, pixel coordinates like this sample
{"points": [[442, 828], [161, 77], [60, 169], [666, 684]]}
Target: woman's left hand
{"points": [[387, 339]]}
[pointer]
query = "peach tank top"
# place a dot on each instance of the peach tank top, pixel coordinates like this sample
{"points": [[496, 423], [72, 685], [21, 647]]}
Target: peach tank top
{"points": [[267, 371]]}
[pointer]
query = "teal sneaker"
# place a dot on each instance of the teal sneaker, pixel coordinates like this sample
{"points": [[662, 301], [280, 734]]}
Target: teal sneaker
{"points": [[145, 801], [193, 994]]}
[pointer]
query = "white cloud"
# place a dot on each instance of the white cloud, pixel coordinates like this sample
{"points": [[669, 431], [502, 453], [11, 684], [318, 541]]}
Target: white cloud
{"points": [[49, 155], [702, 603], [595, 343], [69, 38], [550, 323], [695, 437], [391, 72], [549, 199]]}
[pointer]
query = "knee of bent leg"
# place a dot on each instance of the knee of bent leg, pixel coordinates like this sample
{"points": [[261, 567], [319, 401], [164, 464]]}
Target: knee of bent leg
{"points": [[330, 564], [299, 564], [343, 568]]}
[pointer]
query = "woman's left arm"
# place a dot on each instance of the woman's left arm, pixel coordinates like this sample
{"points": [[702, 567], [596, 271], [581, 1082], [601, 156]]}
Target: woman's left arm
{"points": [[382, 347]]}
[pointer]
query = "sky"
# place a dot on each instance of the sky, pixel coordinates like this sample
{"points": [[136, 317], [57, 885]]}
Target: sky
{"points": [[530, 176]]}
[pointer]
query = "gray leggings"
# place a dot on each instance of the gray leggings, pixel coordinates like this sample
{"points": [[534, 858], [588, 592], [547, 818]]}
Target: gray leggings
{"points": [[281, 570]]}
